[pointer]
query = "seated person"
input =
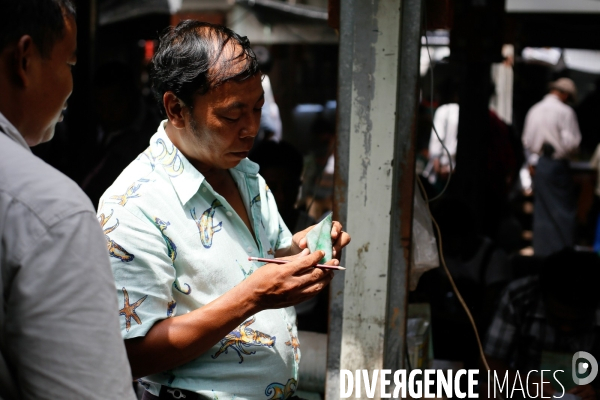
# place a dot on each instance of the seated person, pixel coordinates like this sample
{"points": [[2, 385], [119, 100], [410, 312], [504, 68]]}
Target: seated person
{"points": [[199, 319], [541, 316]]}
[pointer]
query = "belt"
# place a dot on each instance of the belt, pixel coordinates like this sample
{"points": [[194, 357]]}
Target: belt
{"points": [[167, 393]]}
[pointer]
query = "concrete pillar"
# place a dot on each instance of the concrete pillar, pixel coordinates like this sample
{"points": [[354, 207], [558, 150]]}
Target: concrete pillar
{"points": [[379, 59]]}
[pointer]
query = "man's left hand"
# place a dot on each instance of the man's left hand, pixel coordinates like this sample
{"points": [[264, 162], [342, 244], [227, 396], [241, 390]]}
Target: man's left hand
{"points": [[339, 238]]}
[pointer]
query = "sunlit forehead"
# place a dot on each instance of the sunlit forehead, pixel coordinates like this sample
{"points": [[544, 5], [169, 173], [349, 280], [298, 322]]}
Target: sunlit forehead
{"points": [[230, 60]]}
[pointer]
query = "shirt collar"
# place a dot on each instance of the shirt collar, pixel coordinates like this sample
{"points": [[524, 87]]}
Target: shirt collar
{"points": [[247, 167], [185, 178], [12, 132], [552, 97]]}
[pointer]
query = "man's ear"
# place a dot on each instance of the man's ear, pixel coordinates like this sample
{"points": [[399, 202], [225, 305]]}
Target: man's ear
{"points": [[24, 54], [175, 109]]}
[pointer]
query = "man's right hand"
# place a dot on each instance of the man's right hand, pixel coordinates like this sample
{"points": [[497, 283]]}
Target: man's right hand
{"points": [[284, 285]]}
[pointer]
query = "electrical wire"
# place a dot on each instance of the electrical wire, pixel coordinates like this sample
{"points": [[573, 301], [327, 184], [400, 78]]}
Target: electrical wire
{"points": [[454, 288], [431, 67], [439, 233]]}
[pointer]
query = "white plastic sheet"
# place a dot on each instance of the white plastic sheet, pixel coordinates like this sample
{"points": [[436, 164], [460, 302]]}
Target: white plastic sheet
{"points": [[425, 254]]}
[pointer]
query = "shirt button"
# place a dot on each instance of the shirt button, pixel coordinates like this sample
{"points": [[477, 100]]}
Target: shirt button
{"points": [[229, 214], [249, 249], [204, 189]]}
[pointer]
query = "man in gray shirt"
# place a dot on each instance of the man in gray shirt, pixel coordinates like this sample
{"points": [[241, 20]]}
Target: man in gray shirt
{"points": [[59, 332]]}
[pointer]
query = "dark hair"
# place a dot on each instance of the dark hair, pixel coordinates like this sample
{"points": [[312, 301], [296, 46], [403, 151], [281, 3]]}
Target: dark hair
{"points": [[280, 155], [43, 20], [571, 278], [189, 60]]}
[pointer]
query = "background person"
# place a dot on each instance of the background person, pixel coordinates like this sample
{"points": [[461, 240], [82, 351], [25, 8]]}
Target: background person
{"points": [[59, 336], [555, 313], [551, 136], [198, 318], [319, 166]]}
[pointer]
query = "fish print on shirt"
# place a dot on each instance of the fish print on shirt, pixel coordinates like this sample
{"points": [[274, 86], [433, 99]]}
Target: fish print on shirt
{"points": [[246, 273], [206, 225], [171, 161], [244, 336], [171, 308], [171, 247], [279, 391], [186, 291], [130, 193], [114, 249], [294, 344]]}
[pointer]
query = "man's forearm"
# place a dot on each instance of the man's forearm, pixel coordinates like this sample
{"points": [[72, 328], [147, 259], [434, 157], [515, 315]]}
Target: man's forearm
{"points": [[178, 340]]}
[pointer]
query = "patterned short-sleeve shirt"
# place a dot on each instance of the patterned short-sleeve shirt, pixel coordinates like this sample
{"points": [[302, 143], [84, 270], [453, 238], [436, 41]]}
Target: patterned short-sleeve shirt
{"points": [[176, 245]]}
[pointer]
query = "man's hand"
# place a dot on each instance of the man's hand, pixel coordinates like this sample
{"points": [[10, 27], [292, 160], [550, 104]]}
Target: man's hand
{"points": [[586, 392], [284, 285], [180, 339], [339, 238]]}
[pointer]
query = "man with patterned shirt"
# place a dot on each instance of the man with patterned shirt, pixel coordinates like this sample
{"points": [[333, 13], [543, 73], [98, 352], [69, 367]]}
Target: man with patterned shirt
{"points": [[556, 314], [199, 319]]}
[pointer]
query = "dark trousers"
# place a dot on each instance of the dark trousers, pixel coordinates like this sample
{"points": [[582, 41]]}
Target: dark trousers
{"points": [[555, 207]]}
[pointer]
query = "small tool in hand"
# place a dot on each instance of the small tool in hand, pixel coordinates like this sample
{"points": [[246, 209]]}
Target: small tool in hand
{"points": [[280, 261]]}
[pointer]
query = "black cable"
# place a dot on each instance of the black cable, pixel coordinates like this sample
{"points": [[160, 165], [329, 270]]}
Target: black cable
{"points": [[431, 67]]}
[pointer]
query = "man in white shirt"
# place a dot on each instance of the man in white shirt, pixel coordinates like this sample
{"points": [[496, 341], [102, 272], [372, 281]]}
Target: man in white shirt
{"points": [[446, 124], [550, 137], [59, 333]]}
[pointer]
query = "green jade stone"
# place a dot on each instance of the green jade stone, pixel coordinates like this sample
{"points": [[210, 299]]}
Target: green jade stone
{"points": [[319, 238]]}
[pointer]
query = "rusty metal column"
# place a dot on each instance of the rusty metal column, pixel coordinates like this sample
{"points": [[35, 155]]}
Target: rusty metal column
{"points": [[340, 204], [403, 184], [379, 48]]}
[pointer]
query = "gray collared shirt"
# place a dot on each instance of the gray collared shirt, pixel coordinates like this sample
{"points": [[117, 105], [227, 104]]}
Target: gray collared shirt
{"points": [[59, 333]]}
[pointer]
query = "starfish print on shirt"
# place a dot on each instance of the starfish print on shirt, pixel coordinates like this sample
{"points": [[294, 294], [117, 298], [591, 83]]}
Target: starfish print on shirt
{"points": [[128, 310]]}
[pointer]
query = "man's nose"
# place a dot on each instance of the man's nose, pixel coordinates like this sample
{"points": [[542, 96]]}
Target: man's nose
{"points": [[251, 126]]}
